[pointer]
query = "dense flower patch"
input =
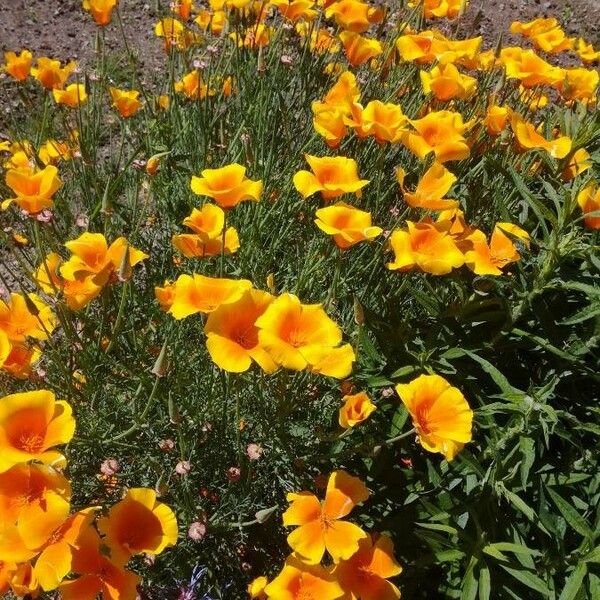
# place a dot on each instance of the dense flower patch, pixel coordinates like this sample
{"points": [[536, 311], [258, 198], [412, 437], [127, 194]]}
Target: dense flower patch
{"points": [[319, 304]]}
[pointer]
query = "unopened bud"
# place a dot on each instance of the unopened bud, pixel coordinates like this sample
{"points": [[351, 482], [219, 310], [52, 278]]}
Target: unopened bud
{"points": [[161, 366], [125, 271], [262, 516]]}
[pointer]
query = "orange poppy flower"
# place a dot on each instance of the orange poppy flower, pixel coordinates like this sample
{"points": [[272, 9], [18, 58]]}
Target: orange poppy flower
{"points": [[232, 336], [535, 27], [227, 186], [138, 524], [529, 68], [426, 47], [329, 122], [320, 526], [365, 574], [440, 414], [439, 9], [529, 138], [385, 121], [92, 256], [33, 188], [23, 581], [333, 176], [359, 49], [586, 51], [197, 293], [73, 95], [256, 588], [101, 10], [34, 501], [353, 15], [427, 246], [553, 41], [56, 558], [50, 73], [294, 10], [431, 189], [589, 202], [7, 570], [98, 574], [20, 358], [346, 224], [174, 33], [446, 82], [22, 317], [356, 409], [165, 295], [438, 132], [579, 162], [52, 151], [125, 101], [299, 581], [299, 336], [489, 260], [343, 93], [31, 424], [18, 66], [496, 119], [207, 239], [183, 8], [578, 84]]}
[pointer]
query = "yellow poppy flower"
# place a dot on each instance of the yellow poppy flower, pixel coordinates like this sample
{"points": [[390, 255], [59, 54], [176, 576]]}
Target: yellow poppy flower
{"points": [[589, 202], [125, 101], [232, 336], [50, 73], [440, 414], [101, 10], [431, 189], [33, 189], [227, 186], [427, 246], [333, 176], [347, 225], [197, 293], [31, 424], [356, 409], [446, 82], [22, 317], [320, 525], [73, 95], [18, 65]]}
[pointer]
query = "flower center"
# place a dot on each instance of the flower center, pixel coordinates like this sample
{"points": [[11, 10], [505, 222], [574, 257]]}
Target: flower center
{"points": [[30, 442]]}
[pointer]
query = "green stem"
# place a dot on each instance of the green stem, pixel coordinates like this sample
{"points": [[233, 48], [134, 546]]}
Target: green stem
{"points": [[120, 316]]}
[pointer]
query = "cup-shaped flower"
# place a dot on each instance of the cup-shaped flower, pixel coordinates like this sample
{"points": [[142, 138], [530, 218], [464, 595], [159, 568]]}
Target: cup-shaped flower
{"points": [[18, 65], [22, 317], [439, 412], [34, 502], [299, 336], [358, 48], [347, 225], [589, 202], [553, 41], [578, 84], [198, 293], [427, 246], [384, 121], [353, 15], [294, 10], [20, 358], [98, 574], [165, 295], [320, 525], [365, 574], [50, 73], [356, 409], [446, 82], [529, 138], [438, 132], [343, 93], [232, 336], [299, 581], [328, 121], [33, 189], [92, 256], [31, 424], [192, 245], [138, 524], [496, 119], [333, 176], [227, 186], [438, 9], [529, 68], [208, 222], [431, 189], [56, 558], [101, 10], [73, 95], [125, 101], [490, 260]]}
